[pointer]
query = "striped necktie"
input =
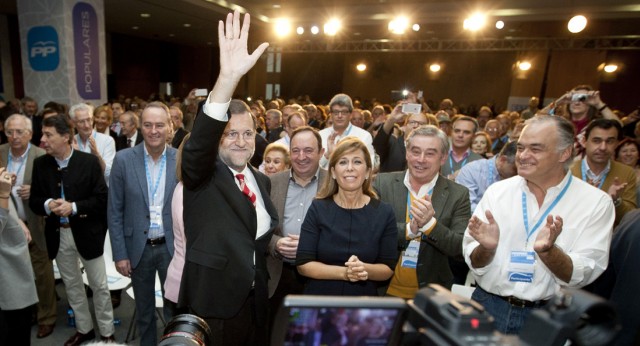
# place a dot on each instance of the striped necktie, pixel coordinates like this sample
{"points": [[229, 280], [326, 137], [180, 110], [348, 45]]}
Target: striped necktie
{"points": [[245, 189]]}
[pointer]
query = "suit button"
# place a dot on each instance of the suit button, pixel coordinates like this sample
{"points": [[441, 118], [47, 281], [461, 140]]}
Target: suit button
{"points": [[145, 232]]}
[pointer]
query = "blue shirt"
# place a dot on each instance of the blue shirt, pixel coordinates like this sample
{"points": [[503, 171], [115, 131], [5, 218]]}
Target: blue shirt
{"points": [[477, 176]]}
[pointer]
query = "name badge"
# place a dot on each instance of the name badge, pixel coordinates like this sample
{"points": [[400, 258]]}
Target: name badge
{"points": [[155, 215], [521, 266], [410, 255]]}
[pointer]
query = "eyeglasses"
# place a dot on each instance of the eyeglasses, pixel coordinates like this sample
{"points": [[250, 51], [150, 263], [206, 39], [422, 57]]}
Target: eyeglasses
{"points": [[247, 135], [17, 133], [337, 113]]}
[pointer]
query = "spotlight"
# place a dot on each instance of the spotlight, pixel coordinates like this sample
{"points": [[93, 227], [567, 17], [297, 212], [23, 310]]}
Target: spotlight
{"points": [[610, 68], [315, 30], [282, 27], [435, 67], [524, 65], [416, 27], [300, 30], [475, 22], [405, 92], [499, 25], [331, 27], [577, 24], [145, 15], [399, 25], [361, 67]]}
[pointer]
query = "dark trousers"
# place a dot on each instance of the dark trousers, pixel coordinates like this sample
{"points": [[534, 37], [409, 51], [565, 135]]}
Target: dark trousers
{"points": [[15, 327], [291, 282], [239, 330], [155, 258]]}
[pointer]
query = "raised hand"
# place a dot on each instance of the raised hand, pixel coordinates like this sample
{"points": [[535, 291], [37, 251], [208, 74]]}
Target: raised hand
{"points": [[546, 238], [616, 189], [421, 213], [487, 234], [235, 60]]}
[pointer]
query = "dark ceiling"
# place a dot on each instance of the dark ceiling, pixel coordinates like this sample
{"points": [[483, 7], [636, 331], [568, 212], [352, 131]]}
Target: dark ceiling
{"points": [[364, 19]]}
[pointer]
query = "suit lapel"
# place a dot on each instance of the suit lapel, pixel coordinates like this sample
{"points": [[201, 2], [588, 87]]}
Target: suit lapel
{"points": [[28, 166], [400, 194], [225, 182], [170, 180], [140, 172], [439, 196]]}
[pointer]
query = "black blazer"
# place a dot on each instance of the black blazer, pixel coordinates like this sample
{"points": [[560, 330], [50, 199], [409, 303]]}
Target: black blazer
{"points": [[220, 228], [178, 137], [83, 184], [121, 141]]}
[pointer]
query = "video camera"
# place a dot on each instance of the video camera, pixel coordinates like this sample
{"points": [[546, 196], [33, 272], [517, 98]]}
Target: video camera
{"points": [[434, 317]]}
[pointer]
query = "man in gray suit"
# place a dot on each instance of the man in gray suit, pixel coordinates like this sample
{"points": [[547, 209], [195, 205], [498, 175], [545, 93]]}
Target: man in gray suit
{"points": [[432, 213], [292, 192], [140, 225], [17, 156]]}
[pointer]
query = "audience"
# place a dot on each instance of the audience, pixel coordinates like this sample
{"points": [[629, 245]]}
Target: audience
{"points": [[481, 144], [627, 152]]}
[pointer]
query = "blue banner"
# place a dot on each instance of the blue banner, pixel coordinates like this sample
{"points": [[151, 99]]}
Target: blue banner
{"points": [[43, 50], [87, 51]]}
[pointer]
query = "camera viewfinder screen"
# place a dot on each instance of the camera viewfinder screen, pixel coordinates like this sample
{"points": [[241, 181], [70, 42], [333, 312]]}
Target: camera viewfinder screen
{"points": [[340, 326]]}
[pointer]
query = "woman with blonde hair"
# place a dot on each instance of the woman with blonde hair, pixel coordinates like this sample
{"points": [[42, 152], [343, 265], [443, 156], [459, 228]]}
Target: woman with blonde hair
{"points": [[348, 241]]}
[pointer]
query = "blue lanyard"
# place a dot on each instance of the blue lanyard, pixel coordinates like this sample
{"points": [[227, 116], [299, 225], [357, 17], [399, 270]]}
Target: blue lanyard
{"points": [[17, 172], [152, 196], [346, 133], [82, 146], [584, 175], [495, 144], [430, 192], [546, 212], [464, 162]]}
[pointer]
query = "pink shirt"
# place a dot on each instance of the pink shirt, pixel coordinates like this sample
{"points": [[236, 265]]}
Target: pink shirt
{"points": [[174, 272]]}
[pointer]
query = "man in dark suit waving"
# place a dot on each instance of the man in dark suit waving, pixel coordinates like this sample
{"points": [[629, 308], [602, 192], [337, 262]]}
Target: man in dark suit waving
{"points": [[228, 215], [68, 188]]}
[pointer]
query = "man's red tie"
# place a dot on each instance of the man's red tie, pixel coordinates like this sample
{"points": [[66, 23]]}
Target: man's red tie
{"points": [[245, 189]]}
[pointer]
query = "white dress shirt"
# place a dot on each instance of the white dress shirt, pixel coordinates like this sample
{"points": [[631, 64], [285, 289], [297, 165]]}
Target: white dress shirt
{"points": [[587, 215]]}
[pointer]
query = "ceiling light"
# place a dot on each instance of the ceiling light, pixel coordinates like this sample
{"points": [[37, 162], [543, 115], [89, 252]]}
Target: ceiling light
{"points": [[300, 30], [135, 28], [249, 99], [610, 68], [435, 67], [331, 27], [577, 24], [315, 30], [172, 35], [361, 67], [282, 27], [276, 6], [524, 65], [145, 15], [416, 27], [399, 25], [405, 92], [186, 25], [475, 22], [499, 25]]}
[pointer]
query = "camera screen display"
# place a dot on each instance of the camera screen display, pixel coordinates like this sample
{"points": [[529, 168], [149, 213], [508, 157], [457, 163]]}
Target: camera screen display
{"points": [[340, 326], [329, 320]]}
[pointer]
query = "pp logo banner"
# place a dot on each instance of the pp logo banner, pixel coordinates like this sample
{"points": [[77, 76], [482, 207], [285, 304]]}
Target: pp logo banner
{"points": [[42, 43]]}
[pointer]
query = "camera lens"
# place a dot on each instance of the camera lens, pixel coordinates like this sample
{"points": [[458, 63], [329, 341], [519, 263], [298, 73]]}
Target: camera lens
{"points": [[186, 330], [582, 97]]}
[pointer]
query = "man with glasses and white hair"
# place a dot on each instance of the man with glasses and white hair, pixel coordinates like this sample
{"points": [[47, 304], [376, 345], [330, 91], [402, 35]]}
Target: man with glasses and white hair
{"points": [[89, 140], [18, 156], [340, 109]]}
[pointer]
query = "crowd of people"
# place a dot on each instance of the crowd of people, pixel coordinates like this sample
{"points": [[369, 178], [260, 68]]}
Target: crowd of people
{"points": [[236, 205]]}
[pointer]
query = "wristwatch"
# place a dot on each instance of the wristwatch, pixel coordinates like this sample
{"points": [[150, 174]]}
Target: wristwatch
{"points": [[617, 202]]}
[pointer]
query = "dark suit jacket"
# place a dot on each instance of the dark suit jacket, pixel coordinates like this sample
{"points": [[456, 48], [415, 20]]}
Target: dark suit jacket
{"points": [[453, 211], [35, 223], [178, 137], [279, 189], [392, 151], [121, 141], [83, 184], [220, 228]]}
